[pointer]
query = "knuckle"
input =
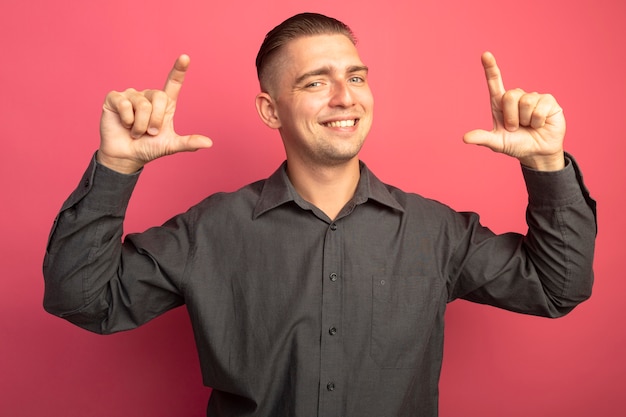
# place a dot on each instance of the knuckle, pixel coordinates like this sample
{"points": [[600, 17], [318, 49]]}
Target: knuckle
{"points": [[125, 105], [112, 99], [144, 106], [159, 95], [511, 96], [159, 100], [549, 98], [527, 100]]}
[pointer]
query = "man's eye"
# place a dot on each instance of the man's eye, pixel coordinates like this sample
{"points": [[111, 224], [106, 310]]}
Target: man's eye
{"points": [[356, 80], [314, 84]]}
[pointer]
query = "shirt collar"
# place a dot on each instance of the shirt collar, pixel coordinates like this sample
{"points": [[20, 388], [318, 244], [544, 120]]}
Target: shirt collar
{"points": [[278, 190]]}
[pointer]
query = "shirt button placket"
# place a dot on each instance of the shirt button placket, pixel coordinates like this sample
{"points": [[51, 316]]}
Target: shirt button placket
{"points": [[331, 359]]}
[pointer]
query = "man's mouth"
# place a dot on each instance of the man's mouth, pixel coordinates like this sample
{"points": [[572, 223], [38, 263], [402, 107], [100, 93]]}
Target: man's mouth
{"points": [[341, 123]]}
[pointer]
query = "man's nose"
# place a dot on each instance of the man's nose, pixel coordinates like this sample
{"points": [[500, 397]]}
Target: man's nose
{"points": [[342, 95]]}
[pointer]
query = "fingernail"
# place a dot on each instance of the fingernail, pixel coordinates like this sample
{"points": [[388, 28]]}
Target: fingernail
{"points": [[153, 131]]}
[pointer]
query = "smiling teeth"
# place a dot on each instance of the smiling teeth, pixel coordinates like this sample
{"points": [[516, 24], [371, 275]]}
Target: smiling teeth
{"points": [[341, 123]]}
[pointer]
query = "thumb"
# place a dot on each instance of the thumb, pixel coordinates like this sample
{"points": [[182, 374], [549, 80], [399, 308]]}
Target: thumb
{"points": [[483, 138], [192, 143]]}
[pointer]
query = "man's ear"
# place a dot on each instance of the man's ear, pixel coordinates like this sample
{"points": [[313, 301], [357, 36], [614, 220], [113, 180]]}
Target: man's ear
{"points": [[266, 108]]}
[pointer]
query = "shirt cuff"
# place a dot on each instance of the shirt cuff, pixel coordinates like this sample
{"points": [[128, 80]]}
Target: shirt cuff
{"points": [[555, 188], [103, 190]]}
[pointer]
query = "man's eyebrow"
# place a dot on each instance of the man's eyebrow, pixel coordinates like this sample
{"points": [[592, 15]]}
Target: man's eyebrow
{"points": [[327, 70], [358, 68]]}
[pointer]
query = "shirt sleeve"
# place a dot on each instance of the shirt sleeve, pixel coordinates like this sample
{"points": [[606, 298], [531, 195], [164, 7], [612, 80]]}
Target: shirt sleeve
{"points": [[92, 278], [546, 272]]}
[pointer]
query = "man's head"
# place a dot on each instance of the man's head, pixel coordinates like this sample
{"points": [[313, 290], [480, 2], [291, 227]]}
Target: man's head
{"points": [[315, 90], [300, 25]]}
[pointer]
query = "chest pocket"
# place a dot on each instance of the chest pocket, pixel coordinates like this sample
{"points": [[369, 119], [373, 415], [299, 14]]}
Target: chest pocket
{"points": [[404, 310]]}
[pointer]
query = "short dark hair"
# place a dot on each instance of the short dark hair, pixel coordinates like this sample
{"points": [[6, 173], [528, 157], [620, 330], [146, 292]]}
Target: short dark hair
{"points": [[300, 25]]}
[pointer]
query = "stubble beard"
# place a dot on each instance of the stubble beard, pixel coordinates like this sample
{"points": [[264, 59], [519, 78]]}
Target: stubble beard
{"points": [[330, 153]]}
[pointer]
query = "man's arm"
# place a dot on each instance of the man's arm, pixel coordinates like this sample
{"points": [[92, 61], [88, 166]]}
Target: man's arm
{"points": [[84, 256], [550, 270]]}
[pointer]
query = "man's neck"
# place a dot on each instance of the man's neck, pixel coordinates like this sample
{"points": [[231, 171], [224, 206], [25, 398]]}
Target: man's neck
{"points": [[328, 188]]}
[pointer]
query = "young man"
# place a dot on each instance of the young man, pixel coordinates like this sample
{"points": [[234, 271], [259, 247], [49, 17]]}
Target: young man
{"points": [[321, 290]]}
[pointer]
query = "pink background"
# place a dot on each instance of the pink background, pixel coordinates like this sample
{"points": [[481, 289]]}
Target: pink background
{"points": [[59, 59]]}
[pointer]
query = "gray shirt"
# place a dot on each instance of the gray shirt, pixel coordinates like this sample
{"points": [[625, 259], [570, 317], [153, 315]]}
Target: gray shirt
{"points": [[295, 314]]}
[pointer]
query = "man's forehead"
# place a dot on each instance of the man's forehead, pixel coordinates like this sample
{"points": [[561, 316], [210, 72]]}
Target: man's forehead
{"points": [[329, 51], [321, 42]]}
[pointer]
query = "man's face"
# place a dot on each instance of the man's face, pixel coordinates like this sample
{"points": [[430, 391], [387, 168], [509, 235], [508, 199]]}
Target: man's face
{"points": [[322, 99]]}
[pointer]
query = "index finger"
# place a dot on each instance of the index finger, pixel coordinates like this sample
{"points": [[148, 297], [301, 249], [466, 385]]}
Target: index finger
{"points": [[176, 77], [493, 75]]}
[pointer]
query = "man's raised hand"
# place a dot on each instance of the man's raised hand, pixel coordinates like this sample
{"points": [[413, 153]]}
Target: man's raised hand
{"points": [[526, 126], [137, 127]]}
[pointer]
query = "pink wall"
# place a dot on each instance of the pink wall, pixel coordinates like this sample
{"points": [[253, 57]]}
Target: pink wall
{"points": [[59, 58]]}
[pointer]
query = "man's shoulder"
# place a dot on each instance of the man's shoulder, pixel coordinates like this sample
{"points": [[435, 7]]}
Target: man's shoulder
{"points": [[412, 200], [245, 197]]}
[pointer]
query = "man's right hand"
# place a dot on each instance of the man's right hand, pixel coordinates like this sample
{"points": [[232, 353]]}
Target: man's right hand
{"points": [[137, 127]]}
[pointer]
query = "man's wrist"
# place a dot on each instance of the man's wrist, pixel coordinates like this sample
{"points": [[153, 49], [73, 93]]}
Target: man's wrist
{"points": [[122, 166], [554, 162]]}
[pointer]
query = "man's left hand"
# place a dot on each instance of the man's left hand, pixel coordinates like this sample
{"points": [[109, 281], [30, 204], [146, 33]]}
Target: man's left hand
{"points": [[526, 126]]}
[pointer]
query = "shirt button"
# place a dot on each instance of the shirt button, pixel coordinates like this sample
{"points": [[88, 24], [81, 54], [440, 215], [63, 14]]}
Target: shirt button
{"points": [[330, 386], [333, 226], [333, 277], [332, 331]]}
